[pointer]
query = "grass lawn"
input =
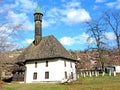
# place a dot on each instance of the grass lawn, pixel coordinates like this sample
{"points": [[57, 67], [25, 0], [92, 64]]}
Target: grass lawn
{"points": [[87, 83]]}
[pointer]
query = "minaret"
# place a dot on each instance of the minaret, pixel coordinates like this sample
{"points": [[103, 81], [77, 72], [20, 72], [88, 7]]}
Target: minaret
{"points": [[38, 25]]}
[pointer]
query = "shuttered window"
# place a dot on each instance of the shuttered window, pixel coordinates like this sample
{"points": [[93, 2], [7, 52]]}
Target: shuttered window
{"points": [[46, 63], [46, 75], [35, 64], [71, 64], [65, 63], [35, 75], [65, 75], [71, 75]]}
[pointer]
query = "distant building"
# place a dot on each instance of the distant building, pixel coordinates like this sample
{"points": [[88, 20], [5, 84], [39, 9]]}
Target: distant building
{"points": [[113, 68]]}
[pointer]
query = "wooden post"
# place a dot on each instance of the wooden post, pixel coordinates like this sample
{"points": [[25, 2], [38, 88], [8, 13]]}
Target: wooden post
{"points": [[90, 74], [87, 73], [103, 73], [78, 76], [84, 75], [96, 74], [110, 73], [93, 73], [81, 74], [114, 73]]}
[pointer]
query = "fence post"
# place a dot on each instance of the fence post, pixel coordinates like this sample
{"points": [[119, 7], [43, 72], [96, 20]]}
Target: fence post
{"points": [[84, 75], [90, 74], [110, 73], [103, 73], [96, 74], [114, 73]]}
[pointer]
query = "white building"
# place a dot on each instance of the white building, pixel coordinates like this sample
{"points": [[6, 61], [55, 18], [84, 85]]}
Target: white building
{"points": [[117, 69], [54, 70], [46, 60]]}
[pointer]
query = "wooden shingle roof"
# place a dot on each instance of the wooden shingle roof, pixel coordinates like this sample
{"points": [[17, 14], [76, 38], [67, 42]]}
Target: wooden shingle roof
{"points": [[49, 47]]}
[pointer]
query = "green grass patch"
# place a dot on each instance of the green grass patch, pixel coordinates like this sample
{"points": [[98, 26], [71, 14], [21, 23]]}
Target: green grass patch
{"points": [[87, 83]]}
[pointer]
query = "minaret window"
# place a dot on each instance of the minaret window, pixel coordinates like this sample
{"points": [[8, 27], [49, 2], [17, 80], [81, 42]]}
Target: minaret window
{"points": [[37, 17]]}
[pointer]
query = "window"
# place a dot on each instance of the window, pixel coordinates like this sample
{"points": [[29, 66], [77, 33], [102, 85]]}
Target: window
{"points": [[65, 63], [71, 64], [46, 63], [35, 75], [65, 75], [71, 75], [35, 64], [46, 75]]}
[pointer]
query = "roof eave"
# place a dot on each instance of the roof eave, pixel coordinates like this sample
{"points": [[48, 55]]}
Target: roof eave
{"points": [[49, 58]]}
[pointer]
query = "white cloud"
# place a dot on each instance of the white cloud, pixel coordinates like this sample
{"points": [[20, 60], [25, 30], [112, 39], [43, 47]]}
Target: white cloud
{"points": [[6, 32], [5, 29], [68, 41], [73, 4], [28, 41], [80, 39], [70, 13], [48, 22], [27, 5], [77, 16], [20, 18], [83, 39], [45, 23], [115, 4], [100, 1], [18, 11], [110, 39], [110, 36], [7, 7], [111, 4]]}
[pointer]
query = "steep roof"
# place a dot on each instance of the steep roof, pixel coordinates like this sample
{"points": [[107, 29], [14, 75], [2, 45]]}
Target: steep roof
{"points": [[49, 47], [38, 10]]}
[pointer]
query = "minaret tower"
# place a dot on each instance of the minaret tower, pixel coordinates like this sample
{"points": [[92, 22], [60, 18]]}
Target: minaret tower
{"points": [[38, 25]]}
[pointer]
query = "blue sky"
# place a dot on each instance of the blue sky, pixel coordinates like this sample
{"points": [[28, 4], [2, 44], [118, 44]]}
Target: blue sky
{"points": [[65, 19]]}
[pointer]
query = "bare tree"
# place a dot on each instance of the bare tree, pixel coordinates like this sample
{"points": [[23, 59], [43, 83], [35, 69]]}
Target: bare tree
{"points": [[6, 44], [8, 36], [96, 30], [113, 20], [5, 37], [7, 30]]}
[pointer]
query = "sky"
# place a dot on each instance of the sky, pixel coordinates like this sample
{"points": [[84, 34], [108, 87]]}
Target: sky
{"points": [[65, 19]]}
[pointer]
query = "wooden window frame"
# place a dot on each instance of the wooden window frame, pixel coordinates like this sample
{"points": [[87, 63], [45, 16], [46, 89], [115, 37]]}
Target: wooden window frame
{"points": [[46, 75], [34, 75]]}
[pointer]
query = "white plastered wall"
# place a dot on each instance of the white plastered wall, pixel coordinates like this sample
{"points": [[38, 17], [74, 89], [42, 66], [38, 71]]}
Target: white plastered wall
{"points": [[55, 68]]}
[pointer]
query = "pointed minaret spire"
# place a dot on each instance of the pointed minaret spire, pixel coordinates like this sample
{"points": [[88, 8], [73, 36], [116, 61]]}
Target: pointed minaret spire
{"points": [[38, 25]]}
